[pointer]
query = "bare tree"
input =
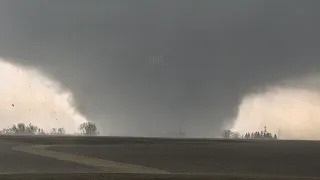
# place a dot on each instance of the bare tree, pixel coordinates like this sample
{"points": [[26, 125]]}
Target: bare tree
{"points": [[53, 131], [41, 132], [31, 129], [88, 129], [21, 128], [235, 135], [61, 131], [226, 134]]}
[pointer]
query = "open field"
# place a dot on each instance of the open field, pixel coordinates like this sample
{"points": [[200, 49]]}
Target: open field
{"points": [[168, 158]]}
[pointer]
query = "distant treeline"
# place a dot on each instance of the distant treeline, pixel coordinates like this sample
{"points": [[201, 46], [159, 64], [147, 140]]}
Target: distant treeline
{"points": [[228, 134], [86, 128], [259, 135]]}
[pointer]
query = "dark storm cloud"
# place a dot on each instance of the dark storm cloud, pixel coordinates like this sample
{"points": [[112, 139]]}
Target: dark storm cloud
{"points": [[149, 67]]}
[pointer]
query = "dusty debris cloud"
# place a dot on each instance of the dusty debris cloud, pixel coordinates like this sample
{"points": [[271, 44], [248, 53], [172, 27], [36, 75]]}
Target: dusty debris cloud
{"points": [[212, 54], [289, 109], [28, 96]]}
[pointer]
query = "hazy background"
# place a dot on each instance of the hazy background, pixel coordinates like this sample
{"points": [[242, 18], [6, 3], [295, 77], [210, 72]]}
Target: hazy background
{"points": [[153, 68]]}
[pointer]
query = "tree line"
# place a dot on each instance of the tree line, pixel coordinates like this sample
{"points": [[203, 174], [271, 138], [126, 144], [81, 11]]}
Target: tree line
{"points": [[259, 135], [87, 128], [228, 134]]}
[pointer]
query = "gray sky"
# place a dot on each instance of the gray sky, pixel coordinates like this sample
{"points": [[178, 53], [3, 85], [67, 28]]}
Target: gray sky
{"points": [[147, 67]]}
